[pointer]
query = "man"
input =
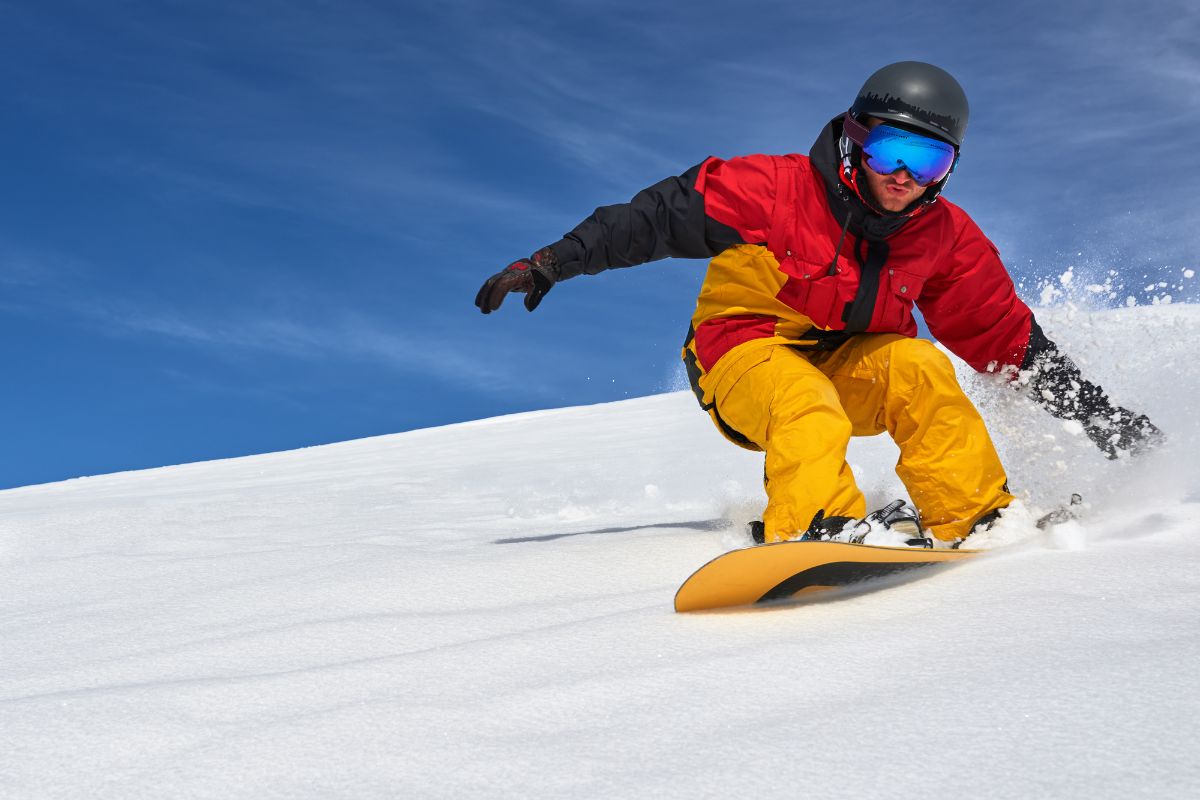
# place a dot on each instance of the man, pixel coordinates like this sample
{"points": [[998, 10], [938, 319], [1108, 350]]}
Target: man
{"points": [[804, 332]]}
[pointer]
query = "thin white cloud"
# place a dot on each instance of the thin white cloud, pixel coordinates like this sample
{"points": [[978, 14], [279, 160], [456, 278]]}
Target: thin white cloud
{"points": [[48, 286], [350, 337], [23, 267]]}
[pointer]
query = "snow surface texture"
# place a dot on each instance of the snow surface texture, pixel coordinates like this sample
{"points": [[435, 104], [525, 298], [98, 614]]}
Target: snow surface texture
{"points": [[485, 610]]}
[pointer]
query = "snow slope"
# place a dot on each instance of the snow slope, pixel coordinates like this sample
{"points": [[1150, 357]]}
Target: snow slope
{"points": [[485, 610]]}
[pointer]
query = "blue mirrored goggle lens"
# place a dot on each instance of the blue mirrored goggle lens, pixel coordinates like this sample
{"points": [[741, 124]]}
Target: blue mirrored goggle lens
{"points": [[889, 149]]}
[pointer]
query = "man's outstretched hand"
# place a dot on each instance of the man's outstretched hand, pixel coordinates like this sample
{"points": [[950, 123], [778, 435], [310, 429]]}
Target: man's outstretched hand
{"points": [[1123, 431], [1059, 387], [533, 276]]}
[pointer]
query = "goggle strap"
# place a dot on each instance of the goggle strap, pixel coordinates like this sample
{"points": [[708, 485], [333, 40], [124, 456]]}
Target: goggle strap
{"points": [[854, 130]]}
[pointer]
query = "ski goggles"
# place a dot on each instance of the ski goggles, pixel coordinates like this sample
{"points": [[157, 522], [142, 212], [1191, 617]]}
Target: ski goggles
{"points": [[888, 149]]}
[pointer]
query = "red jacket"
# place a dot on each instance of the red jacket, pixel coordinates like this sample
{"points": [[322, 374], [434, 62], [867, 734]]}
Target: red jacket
{"points": [[789, 281]]}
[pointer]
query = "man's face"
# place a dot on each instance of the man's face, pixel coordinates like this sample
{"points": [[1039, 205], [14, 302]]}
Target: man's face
{"points": [[894, 192]]}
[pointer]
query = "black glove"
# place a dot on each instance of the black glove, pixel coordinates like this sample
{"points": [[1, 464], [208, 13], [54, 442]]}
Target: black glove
{"points": [[1122, 431], [1059, 387], [534, 276]]}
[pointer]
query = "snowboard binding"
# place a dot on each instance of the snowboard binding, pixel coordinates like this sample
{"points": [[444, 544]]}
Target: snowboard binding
{"points": [[896, 516]]}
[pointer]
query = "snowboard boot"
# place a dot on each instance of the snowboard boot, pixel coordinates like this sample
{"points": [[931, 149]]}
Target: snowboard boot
{"points": [[982, 524], [828, 529], [821, 529]]}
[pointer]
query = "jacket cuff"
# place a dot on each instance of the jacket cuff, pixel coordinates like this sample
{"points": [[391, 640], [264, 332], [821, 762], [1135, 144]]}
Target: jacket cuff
{"points": [[1039, 346], [568, 252]]}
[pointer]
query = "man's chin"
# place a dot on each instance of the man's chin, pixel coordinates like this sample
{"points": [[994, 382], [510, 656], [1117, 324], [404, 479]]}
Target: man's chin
{"points": [[888, 202]]}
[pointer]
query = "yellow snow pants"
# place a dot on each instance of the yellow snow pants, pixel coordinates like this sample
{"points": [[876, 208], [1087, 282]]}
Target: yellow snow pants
{"points": [[802, 407]]}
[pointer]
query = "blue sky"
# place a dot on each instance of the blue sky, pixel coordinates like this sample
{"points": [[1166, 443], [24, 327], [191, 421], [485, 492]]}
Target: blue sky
{"points": [[232, 228]]}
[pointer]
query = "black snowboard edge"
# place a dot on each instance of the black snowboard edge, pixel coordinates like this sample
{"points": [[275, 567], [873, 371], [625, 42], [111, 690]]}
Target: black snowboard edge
{"points": [[840, 573]]}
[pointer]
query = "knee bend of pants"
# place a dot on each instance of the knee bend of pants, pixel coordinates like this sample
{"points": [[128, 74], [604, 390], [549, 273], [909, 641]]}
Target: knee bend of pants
{"points": [[918, 361], [779, 394]]}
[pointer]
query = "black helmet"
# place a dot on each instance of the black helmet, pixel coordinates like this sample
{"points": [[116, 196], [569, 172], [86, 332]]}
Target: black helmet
{"points": [[918, 94]]}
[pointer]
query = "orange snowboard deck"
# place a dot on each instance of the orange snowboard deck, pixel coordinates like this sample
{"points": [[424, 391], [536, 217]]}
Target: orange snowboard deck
{"points": [[783, 570]]}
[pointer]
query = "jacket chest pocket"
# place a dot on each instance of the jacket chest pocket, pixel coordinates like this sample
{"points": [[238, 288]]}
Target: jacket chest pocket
{"points": [[813, 292], [899, 290]]}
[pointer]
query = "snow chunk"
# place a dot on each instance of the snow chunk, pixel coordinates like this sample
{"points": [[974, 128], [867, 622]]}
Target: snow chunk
{"points": [[574, 513], [1072, 426], [886, 537]]}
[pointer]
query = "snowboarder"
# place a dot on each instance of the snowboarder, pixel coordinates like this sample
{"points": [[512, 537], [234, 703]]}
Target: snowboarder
{"points": [[804, 334]]}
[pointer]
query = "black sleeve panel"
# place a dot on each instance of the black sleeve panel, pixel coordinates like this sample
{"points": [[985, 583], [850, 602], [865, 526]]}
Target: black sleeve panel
{"points": [[664, 220]]}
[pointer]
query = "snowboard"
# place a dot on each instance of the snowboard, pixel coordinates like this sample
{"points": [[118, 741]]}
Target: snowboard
{"points": [[787, 570]]}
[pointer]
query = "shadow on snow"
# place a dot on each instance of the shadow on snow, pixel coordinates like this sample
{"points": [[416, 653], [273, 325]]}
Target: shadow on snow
{"points": [[699, 525]]}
